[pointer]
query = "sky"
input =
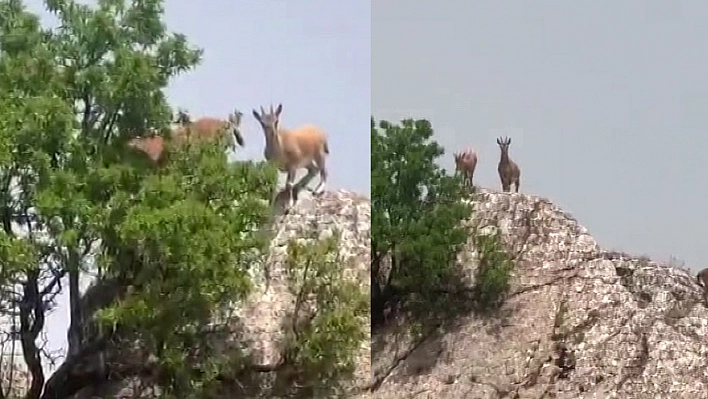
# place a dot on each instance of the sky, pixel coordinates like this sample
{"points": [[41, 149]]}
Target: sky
{"points": [[313, 57], [606, 104]]}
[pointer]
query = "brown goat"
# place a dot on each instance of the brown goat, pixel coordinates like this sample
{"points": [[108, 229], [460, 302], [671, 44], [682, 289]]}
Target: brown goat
{"points": [[509, 171], [702, 280], [465, 163], [292, 149], [206, 128]]}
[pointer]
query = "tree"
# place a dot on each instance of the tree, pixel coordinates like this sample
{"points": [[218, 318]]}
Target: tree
{"points": [[416, 214], [328, 328], [177, 242]]}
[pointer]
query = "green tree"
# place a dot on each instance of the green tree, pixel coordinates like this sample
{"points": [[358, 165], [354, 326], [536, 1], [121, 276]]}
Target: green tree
{"points": [[323, 340], [178, 241], [416, 216]]}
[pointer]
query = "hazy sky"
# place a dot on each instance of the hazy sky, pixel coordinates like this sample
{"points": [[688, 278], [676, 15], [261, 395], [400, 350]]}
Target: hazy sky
{"points": [[313, 56], [606, 103]]}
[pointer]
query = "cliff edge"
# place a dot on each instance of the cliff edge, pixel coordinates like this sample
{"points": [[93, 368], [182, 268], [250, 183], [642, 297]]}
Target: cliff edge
{"points": [[579, 322]]}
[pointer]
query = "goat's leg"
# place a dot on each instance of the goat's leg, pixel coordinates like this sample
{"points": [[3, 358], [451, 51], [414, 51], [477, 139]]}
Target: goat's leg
{"points": [[323, 180], [506, 186], [311, 172], [517, 184], [289, 186], [322, 168]]}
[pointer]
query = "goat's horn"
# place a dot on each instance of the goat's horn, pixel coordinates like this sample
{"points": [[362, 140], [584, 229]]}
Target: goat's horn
{"points": [[262, 110]]}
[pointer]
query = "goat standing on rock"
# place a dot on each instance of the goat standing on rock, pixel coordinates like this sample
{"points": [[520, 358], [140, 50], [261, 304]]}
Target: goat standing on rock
{"points": [[292, 149], [465, 163], [509, 171]]}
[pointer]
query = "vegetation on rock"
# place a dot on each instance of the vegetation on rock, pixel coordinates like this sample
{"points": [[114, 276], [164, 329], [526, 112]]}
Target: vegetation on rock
{"points": [[324, 347], [419, 227]]}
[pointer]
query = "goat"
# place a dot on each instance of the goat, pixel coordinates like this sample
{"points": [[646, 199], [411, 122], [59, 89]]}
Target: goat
{"points": [[291, 149], [509, 171], [465, 163], [206, 128], [702, 280]]}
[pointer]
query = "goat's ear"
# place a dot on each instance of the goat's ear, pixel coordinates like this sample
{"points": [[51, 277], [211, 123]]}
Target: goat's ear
{"points": [[256, 115], [279, 110], [236, 117]]}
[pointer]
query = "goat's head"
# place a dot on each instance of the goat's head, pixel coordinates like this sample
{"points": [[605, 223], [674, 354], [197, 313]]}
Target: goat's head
{"points": [[233, 127], [269, 121], [504, 144], [182, 117]]}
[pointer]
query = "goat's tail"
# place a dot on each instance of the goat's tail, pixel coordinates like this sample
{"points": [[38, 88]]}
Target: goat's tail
{"points": [[325, 147]]}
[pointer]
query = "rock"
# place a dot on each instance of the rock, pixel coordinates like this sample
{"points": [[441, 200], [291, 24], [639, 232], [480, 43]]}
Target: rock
{"points": [[580, 322]]}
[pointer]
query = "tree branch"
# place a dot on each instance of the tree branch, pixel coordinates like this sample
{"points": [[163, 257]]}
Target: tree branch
{"points": [[31, 324]]}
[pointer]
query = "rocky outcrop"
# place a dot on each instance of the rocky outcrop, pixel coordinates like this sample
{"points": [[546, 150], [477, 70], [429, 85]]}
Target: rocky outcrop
{"points": [[259, 320], [579, 322]]}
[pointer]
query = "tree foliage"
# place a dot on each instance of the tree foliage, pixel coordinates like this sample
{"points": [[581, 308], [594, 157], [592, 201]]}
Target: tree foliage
{"points": [[417, 213], [329, 319], [74, 199]]}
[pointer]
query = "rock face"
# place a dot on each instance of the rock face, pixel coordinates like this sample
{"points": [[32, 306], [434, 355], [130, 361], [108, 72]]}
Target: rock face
{"points": [[579, 322], [259, 320]]}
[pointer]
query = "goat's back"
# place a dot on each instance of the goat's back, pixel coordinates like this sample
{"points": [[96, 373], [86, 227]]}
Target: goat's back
{"points": [[303, 144], [152, 146], [469, 159], [202, 128]]}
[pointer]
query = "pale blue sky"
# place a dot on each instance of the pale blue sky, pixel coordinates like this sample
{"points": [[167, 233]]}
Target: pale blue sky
{"points": [[606, 103], [313, 56]]}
